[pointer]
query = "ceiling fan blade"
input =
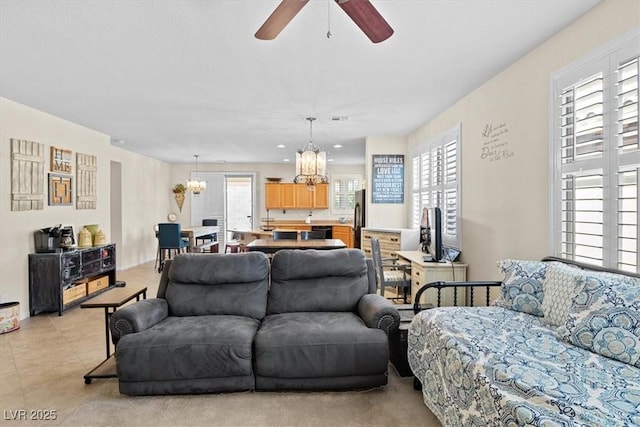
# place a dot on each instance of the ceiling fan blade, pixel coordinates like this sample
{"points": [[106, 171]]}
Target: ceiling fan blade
{"points": [[367, 18], [279, 19]]}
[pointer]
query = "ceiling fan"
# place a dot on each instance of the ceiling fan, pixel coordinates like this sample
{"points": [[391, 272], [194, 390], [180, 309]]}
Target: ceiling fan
{"points": [[361, 12]]}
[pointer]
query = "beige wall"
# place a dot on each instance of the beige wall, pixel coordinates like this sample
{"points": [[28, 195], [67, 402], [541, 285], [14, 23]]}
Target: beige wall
{"points": [[505, 207], [387, 214], [142, 177], [181, 172]]}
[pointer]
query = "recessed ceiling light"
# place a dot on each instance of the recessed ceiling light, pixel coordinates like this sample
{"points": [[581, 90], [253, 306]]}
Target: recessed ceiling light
{"points": [[329, 160], [337, 146], [286, 160], [280, 146]]}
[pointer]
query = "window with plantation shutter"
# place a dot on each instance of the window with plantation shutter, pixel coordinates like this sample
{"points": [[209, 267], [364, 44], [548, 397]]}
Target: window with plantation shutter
{"points": [[435, 182], [595, 158], [343, 188]]}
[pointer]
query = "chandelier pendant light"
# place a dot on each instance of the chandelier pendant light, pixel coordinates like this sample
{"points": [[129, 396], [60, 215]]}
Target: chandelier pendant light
{"points": [[195, 185], [311, 162]]}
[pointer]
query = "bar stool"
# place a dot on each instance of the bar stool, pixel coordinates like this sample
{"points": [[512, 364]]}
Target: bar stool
{"points": [[233, 247]]}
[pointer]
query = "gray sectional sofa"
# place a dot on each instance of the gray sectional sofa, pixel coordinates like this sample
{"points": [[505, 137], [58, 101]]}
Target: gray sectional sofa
{"points": [[229, 322]]}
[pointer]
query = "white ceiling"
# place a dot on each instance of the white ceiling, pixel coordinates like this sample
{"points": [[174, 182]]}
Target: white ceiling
{"points": [[176, 78]]}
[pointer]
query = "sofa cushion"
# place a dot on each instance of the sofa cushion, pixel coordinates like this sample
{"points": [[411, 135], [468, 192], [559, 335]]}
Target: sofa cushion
{"points": [[605, 318], [210, 284], [317, 280], [560, 287], [188, 347], [315, 345], [521, 288]]}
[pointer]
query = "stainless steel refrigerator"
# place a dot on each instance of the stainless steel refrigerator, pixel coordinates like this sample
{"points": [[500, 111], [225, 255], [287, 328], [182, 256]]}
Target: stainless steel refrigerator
{"points": [[359, 217]]}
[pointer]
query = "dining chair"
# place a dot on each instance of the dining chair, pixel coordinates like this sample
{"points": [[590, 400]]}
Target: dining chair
{"points": [[389, 272], [315, 234], [169, 239], [156, 231], [285, 235]]}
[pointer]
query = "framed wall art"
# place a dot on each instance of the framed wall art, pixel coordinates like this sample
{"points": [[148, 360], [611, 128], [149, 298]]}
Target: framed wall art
{"points": [[387, 178], [60, 190], [27, 175], [86, 184], [60, 160]]}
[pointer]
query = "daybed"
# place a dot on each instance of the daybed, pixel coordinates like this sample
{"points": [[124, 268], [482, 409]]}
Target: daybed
{"points": [[559, 347], [216, 326]]}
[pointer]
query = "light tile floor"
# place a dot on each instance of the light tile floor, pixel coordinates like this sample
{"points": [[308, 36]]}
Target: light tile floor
{"points": [[42, 364]]}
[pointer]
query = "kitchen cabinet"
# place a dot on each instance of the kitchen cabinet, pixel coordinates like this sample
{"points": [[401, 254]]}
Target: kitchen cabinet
{"points": [[272, 196], [288, 196], [296, 196], [344, 233], [321, 196], [58, 281]]}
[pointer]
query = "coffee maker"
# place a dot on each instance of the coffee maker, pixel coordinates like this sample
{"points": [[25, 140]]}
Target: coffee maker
{"points": [[55, 239], [48, 239]]}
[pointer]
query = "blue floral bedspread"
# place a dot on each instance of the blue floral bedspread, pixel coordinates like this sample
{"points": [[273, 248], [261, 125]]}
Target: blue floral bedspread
{"points": [[490, 366]]}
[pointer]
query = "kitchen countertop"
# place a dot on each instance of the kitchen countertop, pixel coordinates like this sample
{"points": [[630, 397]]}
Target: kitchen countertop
{"points": [[318, 223]]}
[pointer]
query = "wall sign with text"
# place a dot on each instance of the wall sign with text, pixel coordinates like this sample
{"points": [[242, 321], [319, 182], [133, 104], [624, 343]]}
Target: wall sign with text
{"points": [[387, 183]]}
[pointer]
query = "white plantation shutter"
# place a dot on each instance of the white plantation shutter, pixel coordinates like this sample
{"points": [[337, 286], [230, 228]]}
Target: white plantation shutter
{"points": [[596, 157], [343, 188], [436, 181]]}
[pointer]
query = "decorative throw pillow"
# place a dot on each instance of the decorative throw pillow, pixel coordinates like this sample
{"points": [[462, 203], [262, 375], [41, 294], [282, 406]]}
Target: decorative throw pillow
{"points": [[605, 318], [521, 288], [560, 287]]}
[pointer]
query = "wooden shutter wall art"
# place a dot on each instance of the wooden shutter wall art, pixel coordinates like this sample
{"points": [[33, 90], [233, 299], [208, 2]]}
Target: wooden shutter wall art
{"points": [[86, 191], [27, 175]]}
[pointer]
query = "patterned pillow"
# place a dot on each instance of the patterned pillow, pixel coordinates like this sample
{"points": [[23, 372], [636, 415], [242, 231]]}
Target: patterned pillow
{"points": [[521, 288], [605, 318], [560, 287]]}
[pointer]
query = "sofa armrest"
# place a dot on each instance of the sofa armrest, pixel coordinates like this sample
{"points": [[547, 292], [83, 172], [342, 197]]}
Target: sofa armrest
{"points": [[378, 312], [137, 317]]}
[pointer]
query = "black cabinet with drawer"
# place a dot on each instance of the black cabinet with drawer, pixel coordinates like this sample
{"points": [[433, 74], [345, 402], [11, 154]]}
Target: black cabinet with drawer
{"points": [[59, 280]]}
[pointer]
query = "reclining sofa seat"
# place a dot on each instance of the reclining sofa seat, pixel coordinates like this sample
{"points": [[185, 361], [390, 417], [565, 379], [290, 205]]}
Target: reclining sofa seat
{"points": [[325, 327], [207, 330], [197, 336]]}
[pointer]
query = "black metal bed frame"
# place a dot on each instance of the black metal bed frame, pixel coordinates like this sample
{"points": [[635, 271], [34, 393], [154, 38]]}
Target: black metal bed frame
{"points": [[488, 284]]}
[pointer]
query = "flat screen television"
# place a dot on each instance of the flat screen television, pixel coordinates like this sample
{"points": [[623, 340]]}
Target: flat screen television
{"points": [[431, 233]]}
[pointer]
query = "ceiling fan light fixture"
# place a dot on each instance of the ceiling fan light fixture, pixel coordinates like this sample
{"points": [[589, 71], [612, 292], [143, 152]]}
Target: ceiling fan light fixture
{"points": [[362, 12], [367, 18]]}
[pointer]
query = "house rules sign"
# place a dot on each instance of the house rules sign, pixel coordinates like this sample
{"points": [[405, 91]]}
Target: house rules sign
{"points": [[387, 178]]}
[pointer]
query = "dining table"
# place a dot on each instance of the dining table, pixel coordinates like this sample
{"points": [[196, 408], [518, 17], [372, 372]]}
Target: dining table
{"points": [[271, 246], [197, 231]]}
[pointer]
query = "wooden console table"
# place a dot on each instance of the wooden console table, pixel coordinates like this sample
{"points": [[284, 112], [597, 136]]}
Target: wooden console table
{"points": [[110, 301]]}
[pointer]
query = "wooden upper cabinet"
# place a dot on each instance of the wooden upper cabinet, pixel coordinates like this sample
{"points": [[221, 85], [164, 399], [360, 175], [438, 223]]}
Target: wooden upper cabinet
{"points": [[321, 196], [295, 196], [304, 197], [272, 196], [288, 195]]}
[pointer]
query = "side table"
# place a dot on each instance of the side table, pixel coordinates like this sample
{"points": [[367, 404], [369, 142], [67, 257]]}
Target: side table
{"points": [[110, 301], [398, 341]]}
